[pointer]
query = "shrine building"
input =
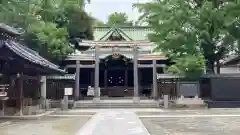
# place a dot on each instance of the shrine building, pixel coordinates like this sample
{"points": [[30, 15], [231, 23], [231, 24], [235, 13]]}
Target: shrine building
{"points": [[120, 61]]}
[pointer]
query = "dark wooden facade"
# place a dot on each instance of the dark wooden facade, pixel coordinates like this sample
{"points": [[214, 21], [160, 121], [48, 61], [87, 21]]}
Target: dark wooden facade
{"points": [[21, 69]]}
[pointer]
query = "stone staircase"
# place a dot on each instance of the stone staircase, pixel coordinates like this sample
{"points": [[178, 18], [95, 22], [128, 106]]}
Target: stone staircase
{"points": [[124, 103]]}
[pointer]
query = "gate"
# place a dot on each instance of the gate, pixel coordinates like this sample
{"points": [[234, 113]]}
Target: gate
{"points": [[167, 85], [56, 85]]}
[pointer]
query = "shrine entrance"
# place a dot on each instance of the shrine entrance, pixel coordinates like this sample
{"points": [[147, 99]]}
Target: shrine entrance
{"points": [[116, 75]]}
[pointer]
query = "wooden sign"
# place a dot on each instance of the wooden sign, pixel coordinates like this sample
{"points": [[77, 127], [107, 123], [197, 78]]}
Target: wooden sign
{"points": [[68, 91]]}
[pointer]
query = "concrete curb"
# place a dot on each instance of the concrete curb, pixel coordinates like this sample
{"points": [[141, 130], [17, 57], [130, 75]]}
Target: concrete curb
{"points": [[187, 116], [27, 117], [58, 116], [5, 123]]}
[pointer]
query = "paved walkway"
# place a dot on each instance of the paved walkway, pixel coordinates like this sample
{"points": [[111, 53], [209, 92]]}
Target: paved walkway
{"points": [[118, 122]]}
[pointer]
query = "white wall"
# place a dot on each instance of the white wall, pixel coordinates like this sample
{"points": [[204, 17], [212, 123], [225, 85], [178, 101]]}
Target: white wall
{"points": [[229, 69]]}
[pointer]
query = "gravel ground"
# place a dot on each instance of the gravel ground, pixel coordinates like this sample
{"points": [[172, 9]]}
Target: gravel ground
{"points": [[45, 126], [193, 126], [194, 112]]}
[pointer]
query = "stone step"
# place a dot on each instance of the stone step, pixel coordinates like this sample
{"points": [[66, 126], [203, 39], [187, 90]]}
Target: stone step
{"points": [[116, 105], [112, 106], [116, 98]]}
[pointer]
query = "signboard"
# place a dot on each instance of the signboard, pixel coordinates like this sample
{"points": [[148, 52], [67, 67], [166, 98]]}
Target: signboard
{"points": [[90, 91], [187, 89], [68, 91]]}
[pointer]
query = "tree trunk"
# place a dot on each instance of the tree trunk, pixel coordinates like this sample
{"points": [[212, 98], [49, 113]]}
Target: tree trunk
{"points": [[218, 67], [210, 66]]}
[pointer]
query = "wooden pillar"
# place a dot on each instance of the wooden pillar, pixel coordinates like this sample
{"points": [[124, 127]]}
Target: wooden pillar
{"points": [[96, 83], [139, 81], [19, 100], [92, 78], [77, 81], [43, 92], [135, 74], [105, 79], [154, 89], [126, 78]]}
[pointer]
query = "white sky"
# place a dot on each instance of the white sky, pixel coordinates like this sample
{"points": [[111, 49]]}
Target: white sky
{"points": [[101, 9]]}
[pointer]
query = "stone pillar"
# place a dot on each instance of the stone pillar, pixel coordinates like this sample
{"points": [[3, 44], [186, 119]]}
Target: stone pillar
{"points": [[154, 88], [77, 79], [165, 101], [135, 74], [44, 92], [96, 83]]}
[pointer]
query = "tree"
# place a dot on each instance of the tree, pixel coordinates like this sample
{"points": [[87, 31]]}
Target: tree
{"points": [[187, 27], [119, 19], [49, 25], [97, 22], [50, 41], [76, 20], [191, 66], [19, 13]]}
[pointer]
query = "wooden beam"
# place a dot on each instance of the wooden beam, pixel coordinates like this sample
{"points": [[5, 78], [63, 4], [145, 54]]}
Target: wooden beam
{"points": [[148, 57], [81, 66], [150, 65], [115, 43]]}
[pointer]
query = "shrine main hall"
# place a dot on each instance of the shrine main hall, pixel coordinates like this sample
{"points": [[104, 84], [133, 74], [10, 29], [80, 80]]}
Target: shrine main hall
{"points": [[119, 62]]}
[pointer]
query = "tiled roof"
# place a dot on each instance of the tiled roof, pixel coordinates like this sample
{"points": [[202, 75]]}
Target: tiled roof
{"points": [[9, 29], [135, 33], [30, 55], [117, 30], [231, 60]]}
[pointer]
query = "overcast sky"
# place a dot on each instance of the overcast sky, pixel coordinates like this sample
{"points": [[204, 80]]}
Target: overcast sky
{"points": [[102, 8]]}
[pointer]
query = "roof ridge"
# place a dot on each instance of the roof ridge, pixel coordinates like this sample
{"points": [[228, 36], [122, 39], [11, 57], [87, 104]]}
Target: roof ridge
{"points": [[106, 33], [118, 30], [121, 31]]}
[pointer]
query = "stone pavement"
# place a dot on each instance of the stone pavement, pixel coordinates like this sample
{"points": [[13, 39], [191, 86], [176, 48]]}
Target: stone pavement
{"points": [[114, 122]]}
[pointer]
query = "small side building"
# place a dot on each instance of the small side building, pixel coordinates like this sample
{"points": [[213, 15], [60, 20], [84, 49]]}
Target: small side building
{"points": [[21, 71], [230, 66]]}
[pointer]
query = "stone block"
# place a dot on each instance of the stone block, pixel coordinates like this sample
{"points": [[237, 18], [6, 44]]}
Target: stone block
{"points": [[190, 101], [165, 101]]}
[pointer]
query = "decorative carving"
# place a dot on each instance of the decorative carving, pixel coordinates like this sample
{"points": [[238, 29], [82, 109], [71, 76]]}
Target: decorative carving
{"points": [[116, 56], [115, 49]]}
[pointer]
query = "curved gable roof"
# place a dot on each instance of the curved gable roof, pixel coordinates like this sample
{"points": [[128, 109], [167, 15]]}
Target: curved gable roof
{"points": [[134, 33], [30, 55]]}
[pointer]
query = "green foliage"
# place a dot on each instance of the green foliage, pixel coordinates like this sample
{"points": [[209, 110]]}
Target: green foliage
{"points": [[187, 27], [49, 40], [98, 23], [191, 66], [19, 13], [119, 19], [77, 22], [49, 25]]}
